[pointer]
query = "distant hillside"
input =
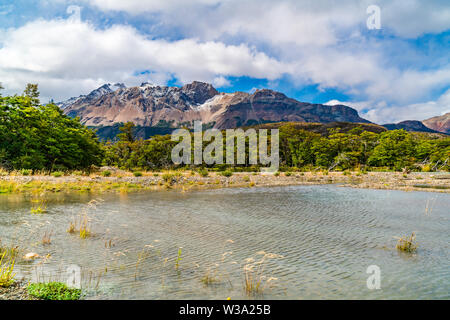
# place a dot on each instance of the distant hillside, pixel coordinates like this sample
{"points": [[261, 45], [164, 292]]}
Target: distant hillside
{"points": [[410, 125], [439, 123], [324, 129]]}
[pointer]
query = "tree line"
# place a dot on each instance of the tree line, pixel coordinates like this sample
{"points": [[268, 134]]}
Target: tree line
{"points": [[40, 137]]}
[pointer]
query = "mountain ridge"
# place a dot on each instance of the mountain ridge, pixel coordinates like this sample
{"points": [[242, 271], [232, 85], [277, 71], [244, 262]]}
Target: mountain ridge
{"points": [[151, 105], [439, 123]]}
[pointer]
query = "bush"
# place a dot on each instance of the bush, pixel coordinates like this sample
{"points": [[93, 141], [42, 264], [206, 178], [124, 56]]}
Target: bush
{"points": [[26, 172], [137, 174], [226, 173], [57, 174], [53, 291], [203, 172], [168, 177], [407, 244], [106, 173]]}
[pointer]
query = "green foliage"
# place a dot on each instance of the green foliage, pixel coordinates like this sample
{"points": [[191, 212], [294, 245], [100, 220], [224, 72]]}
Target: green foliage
{"points": [[53, 291], [137, 174], [26, 172], [7, 274], [106, 173], [37, 137], [203, 172], [227, 173], [57, 174]]}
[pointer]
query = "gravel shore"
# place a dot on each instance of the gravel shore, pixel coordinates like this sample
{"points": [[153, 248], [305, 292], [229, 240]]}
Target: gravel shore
{"points": [[185, 181]]}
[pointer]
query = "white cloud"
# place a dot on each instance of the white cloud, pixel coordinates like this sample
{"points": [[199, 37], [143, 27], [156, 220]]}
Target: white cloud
{"points": [[68, 52], [285, 18], [381, 112], [314, 42]]}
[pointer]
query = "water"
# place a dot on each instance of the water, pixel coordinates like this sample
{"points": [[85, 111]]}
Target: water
{"points": [[327, 237]]}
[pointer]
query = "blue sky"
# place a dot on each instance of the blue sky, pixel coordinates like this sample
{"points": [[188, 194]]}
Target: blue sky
{"points": [[314, 51]]}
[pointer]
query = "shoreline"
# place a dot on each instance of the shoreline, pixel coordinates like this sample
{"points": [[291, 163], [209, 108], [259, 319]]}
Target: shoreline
{"points": [[123, 182]]}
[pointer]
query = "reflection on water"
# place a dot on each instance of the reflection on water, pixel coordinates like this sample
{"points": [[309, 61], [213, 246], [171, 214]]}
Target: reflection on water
{"points": [[327, 236]]}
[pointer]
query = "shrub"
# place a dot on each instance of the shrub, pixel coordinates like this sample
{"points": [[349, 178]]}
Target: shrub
{"points": [[53, 291], [26, 172], [137, 174], [6, 270], [168, 177], [203, 172], [57, 174], [407, 244], [106, 173], [227, 173]]}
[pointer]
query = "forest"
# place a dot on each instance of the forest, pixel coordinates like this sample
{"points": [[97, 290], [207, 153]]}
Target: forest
{"points": [[40, 137]]}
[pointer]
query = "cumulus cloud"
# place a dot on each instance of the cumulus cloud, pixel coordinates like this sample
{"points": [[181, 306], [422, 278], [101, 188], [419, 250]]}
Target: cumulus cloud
{"points": [[313, 42], [380, 112], [284, 18], [67, 51]]}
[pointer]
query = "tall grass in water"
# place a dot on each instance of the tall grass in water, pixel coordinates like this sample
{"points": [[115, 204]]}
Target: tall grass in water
{"points": [[6, 270], [39, 206], [10, 252], [215, 273], [407, 244], [81, 225], [255, 279]]}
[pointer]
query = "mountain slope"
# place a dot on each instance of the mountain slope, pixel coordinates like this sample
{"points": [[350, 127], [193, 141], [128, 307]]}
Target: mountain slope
{"points": [[160, 106], [410, 125], [439, 123]]}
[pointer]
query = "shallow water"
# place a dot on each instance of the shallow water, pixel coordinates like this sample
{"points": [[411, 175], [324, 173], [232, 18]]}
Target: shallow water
{"points": [[327, 237]]}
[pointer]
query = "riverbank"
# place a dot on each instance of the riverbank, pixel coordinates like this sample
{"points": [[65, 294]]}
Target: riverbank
{"points": [[123, 182], [17, 291]]}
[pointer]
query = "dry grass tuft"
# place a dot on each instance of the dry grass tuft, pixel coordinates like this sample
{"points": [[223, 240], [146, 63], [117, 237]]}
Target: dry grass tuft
{"points": [[407, 244]]}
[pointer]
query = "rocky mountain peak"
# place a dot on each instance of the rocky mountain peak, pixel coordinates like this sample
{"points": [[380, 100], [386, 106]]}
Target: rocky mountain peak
{"points": [[151, 105], [199, 92]]}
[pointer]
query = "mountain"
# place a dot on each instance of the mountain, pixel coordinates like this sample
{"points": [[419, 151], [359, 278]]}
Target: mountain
{"points": [[439, 123], [161, 106], [409, 125]]}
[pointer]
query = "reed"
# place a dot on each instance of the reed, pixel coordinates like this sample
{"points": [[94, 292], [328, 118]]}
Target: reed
{"points": [[7, 274], [407, 244], [47, 238], [255, 279]]}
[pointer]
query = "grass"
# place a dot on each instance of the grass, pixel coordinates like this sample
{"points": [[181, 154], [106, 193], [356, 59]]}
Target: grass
{"points": [[10, 252], [168, 177], [6, 270], [26, 172], [47, 238], [255, 279], [39, 206], [203, 172], [106, 173], [210, 278], [407, 244], [57, 174], [53, 291], [82, 224], [227, 173], [178, 259]]}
